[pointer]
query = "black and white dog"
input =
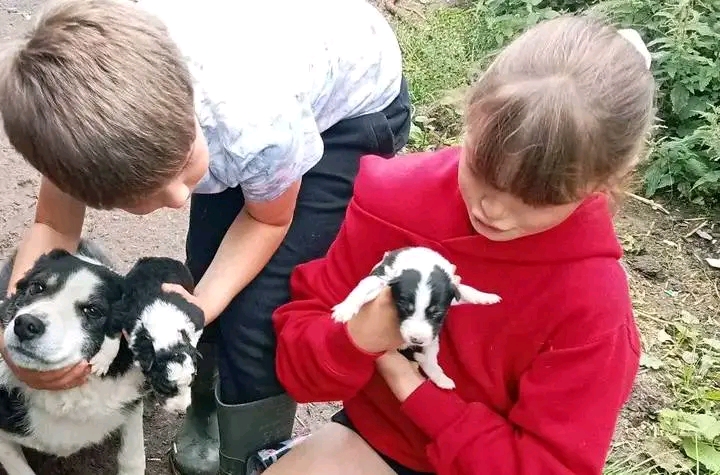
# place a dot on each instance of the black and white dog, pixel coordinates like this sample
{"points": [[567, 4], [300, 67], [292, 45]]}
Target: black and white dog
{"points": [[71, 307], [424, 286]]}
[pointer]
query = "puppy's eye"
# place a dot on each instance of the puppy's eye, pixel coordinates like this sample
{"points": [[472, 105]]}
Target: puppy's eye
{"points": [[432, 310], [91, 311], [35, 288]]}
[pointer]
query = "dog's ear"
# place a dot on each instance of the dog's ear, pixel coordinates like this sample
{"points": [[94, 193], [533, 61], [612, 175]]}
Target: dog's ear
{"points": [[160, 269], [143, 349], [455, 279], [55, 254]]}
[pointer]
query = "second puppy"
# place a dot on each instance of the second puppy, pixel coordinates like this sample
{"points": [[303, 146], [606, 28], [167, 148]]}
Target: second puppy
{"points": [[424, 286]]}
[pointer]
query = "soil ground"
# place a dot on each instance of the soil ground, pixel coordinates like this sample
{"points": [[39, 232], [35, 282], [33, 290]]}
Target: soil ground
{"points": [[669, 277]]}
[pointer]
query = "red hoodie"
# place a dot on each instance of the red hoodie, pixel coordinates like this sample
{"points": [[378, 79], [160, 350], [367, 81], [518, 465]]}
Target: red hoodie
{"points": [[541, 377]]}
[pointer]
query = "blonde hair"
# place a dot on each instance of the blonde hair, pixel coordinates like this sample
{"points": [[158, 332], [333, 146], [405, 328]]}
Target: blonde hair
{"points": [[564, 108], [98, 99]]}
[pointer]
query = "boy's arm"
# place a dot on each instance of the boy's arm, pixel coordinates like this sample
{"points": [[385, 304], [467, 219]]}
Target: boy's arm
{"points": [[58, 224], [269, 143], [246, 248]]}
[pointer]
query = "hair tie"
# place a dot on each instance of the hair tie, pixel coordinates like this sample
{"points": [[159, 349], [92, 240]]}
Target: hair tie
{"points": [[636, 40]]}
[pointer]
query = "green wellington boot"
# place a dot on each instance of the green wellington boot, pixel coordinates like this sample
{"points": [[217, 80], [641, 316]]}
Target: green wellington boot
{"points": [[247, 428], [195, 450]]}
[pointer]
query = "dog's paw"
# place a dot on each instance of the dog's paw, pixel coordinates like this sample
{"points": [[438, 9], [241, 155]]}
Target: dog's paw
{"points": [[178, 404], [344, 311], [487, 299], [470, 295], [100, 363], [442, 381]]}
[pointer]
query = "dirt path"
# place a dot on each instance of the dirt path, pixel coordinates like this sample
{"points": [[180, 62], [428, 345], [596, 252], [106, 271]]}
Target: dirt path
{"points": [[669, 277]]}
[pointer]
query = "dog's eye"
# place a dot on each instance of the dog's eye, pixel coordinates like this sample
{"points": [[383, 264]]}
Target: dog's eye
{"points": [[91, 311], [35, 288], [406, 307]]}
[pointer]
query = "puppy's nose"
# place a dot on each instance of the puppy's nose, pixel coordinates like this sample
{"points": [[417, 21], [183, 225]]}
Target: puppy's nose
{"points": [[416, 341], [28, 327]]}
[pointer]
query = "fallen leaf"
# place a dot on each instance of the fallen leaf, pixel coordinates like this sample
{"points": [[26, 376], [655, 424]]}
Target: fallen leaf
{"points": [[663, 336], [689, 357], [706, 364], [714, 263], [689, 318], [712, 343], [649, 361], [705, 235]]}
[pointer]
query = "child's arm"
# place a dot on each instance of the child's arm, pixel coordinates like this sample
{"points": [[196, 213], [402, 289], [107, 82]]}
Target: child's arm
{"points": [[58, 224], [318, 359], [247, 247]]}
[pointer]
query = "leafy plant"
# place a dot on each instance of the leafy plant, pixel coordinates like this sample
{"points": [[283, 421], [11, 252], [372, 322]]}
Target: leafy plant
{"points": [[683, 36]]}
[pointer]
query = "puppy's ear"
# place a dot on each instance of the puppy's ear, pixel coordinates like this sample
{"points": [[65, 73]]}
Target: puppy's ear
{"points": [[55, 254], [457, 295], [143, 350], [163, 270]]}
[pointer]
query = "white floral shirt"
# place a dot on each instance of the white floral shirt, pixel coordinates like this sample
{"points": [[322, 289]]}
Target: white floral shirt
{"points": [[271, 75]]}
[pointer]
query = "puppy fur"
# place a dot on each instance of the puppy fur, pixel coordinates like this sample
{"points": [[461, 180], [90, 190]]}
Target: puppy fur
{"points": [[424, 286], [73, 307]]}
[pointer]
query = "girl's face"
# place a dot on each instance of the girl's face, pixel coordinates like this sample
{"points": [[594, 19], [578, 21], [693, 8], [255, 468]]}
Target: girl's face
{"points": [[500, 216]]}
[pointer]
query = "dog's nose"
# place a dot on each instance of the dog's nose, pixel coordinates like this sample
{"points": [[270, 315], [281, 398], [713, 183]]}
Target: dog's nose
{"points": [[28, 327], [416, 341]]}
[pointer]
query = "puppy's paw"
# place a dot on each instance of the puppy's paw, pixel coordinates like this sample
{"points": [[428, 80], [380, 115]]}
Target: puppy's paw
{"points": [[470, 295], [442, 381], [178, 404], [487, 299], [344, 311], [100, 363]]}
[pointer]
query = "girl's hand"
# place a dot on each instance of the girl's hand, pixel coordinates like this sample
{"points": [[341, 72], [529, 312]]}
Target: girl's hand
{"points": [[179, 289], [376, 328], [401, 375]]}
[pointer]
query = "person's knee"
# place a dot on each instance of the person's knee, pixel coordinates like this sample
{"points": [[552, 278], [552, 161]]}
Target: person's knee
{"points": [[328, 452]]}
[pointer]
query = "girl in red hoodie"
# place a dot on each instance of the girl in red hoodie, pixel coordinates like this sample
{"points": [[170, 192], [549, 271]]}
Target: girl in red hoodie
{"points": [[523, 210]]}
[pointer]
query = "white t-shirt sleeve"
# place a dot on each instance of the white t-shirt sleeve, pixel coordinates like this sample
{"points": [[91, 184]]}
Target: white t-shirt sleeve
{"points": [[264, 155], [262, 143]]}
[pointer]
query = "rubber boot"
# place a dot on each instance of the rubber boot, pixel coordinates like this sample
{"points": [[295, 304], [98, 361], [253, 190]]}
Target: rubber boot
{"points": [[247, 428], [196, 447]]}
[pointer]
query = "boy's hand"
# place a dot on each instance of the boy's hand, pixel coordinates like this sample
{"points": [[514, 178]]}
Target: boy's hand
{"points": [[401, 375], [55, 380], [179, 289], [376, 328]]}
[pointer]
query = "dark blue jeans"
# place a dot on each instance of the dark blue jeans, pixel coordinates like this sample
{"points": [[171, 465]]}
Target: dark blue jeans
{"points": [[243, 335]]}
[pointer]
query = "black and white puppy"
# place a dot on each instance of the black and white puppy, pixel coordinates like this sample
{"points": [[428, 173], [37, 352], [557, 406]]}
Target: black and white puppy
{"points": [[424, 286], [73, 307], [162, 327]]}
